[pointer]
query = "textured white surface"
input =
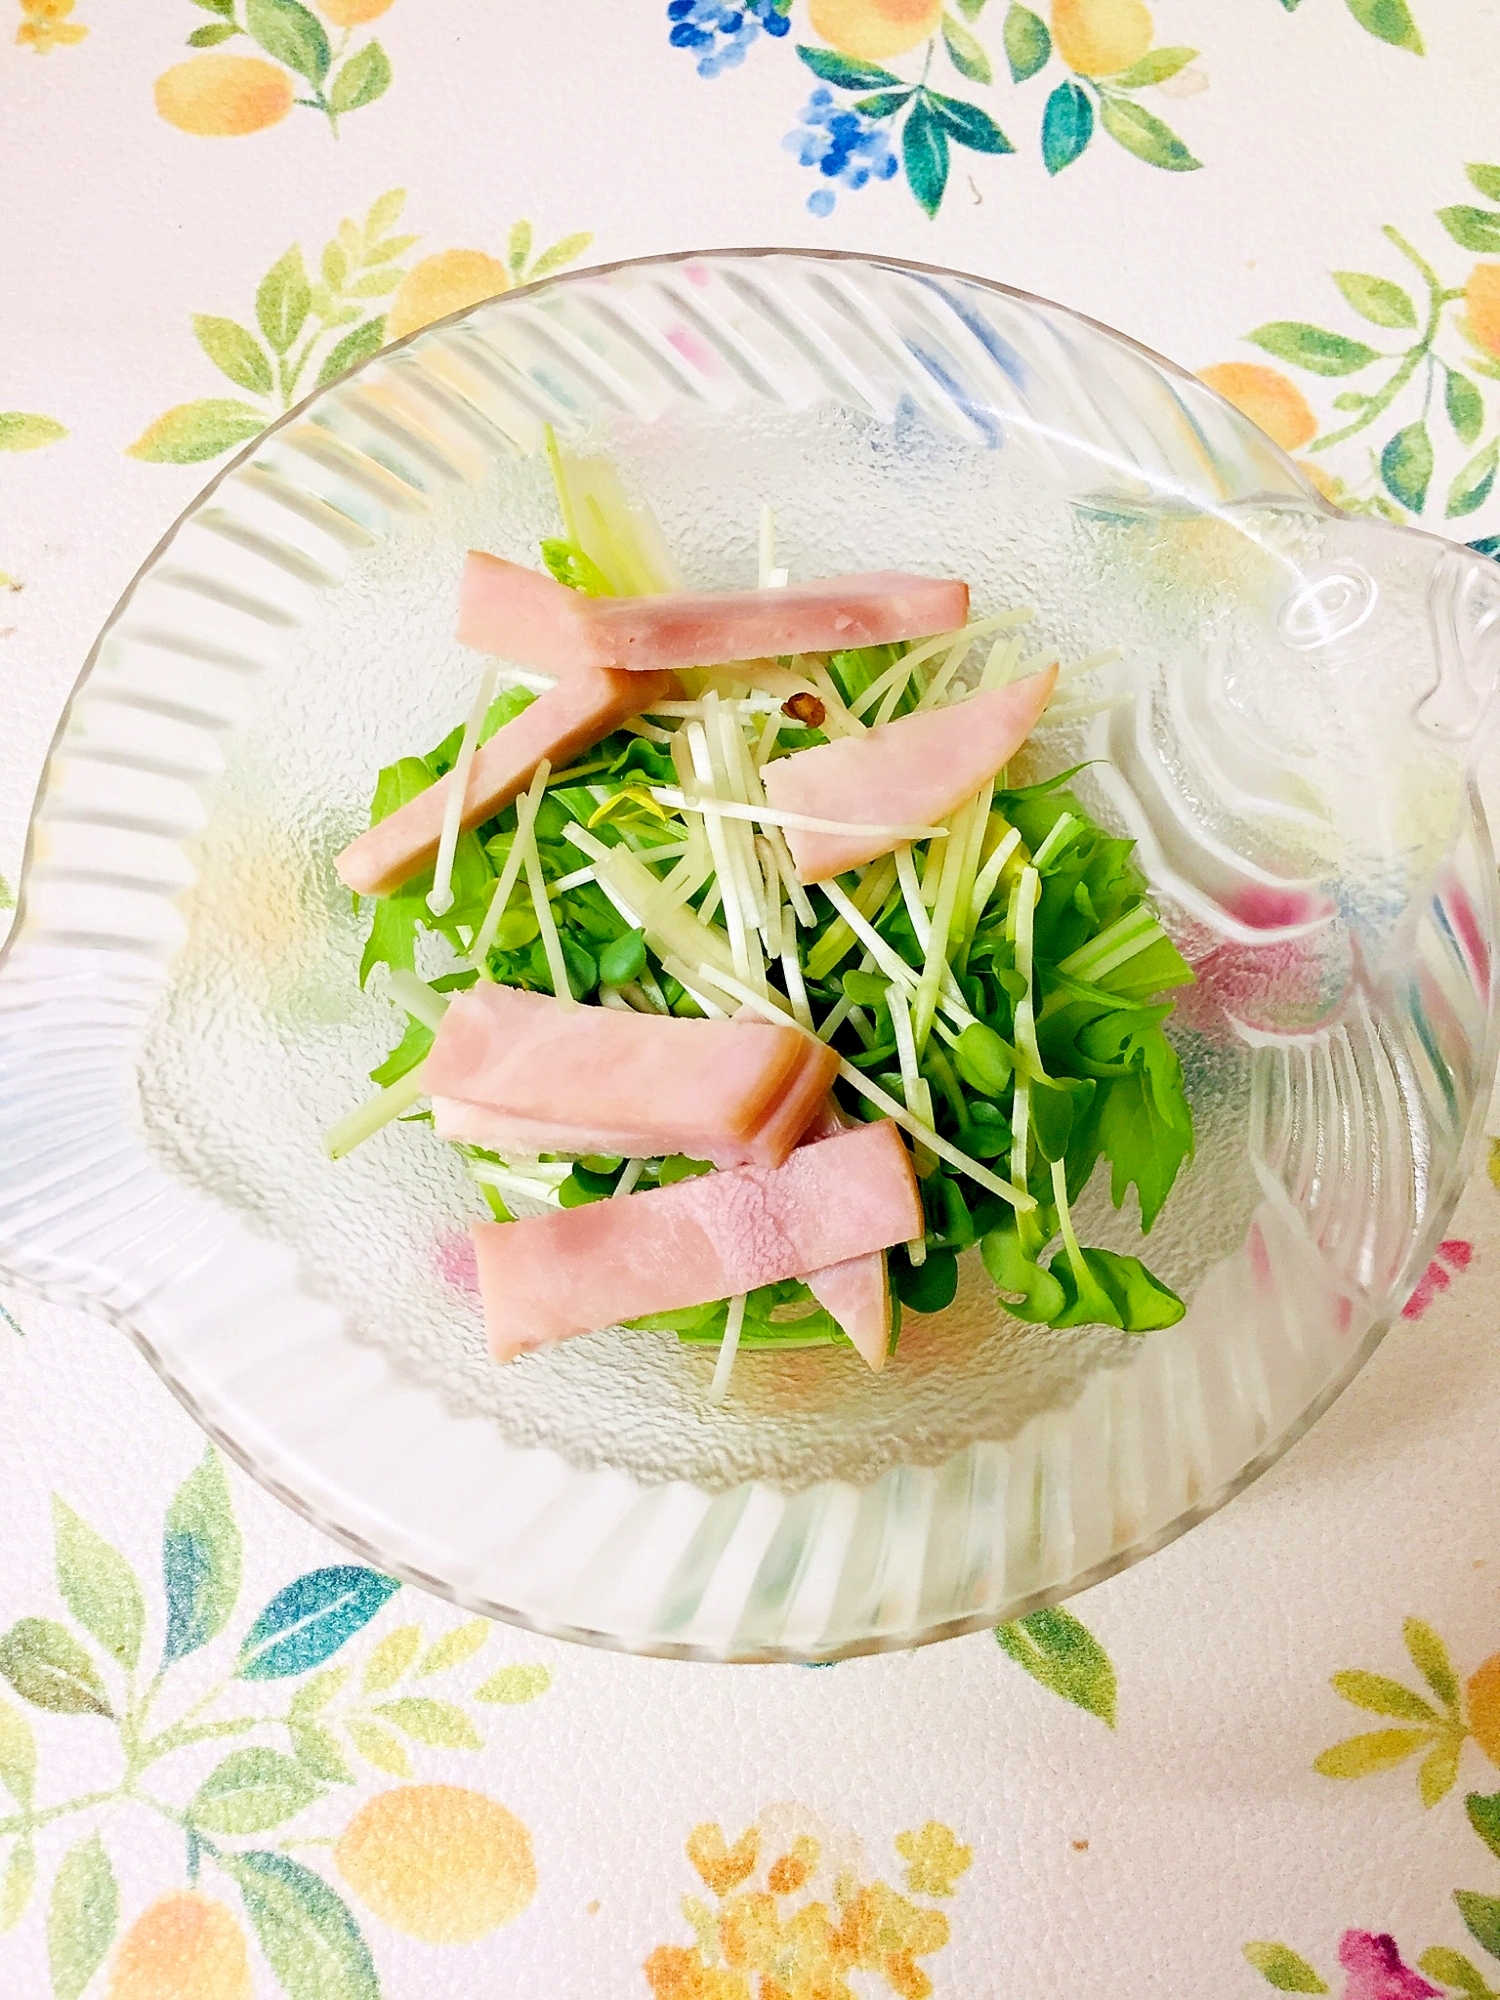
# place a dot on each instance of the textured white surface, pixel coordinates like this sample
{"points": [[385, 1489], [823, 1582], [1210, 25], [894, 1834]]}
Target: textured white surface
{"points": [[1206, 1825]]}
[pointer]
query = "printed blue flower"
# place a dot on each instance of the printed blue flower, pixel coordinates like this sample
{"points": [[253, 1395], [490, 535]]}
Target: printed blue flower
{"points": [[719, 32], [844, 145]]}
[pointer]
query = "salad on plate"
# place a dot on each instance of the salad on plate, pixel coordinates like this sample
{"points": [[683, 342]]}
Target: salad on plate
{"points": [[753, 990]]}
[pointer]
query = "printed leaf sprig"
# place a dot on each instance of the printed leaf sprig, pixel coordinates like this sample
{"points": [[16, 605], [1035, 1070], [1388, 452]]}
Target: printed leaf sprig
{"points": [[1387, 20], [310, 324], [1058, 1650], [227, 96], [1424, 350], [1433, 1723], [95, 1664]]}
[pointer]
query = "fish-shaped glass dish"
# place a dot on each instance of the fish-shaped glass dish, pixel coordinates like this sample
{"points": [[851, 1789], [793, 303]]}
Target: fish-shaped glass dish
{"points": [[1286, 729]]}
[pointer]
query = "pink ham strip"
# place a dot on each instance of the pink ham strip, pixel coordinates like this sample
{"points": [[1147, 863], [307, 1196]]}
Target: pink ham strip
{"points": [[547, 1277], [515, 1071], [913, 771], [857, 1292], [566, 719], [538, 623]]}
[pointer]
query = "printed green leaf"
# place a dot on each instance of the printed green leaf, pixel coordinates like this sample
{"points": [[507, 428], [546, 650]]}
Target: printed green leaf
{"points": [[210, 36], [1486, 179], [1406, 465], [200, 1556], [189, 433], [1474, 228], [46, 1666], [1028, 43], [1389, 21], [1132, 126], [435, 1722], [1451, 1968], [17, 1754], [1362, 1756], [385, 213], [564, 251], [1312, 347], [968, 125], [1284, 1968], [924, 155], [1465, 406], [1484, 1816], [235, 351], [1438, 1771], [16, 1888], [251, 1790], [1472, 483], [1383, 1697], [1429, 1656], [317, 1749], [966, 52], [224, 7], [1481, 1914], [454, 1647], [290, 34], [375, 284], [21, 430], [1376, 299], [379, 1747], [1067, 126], [283, 300], [306, 1931], [885, 103], [971, 9], [82, 1913], [514, 1685], [357, 345], [366, 76], [1154, 67], [315, 1694], [310, 1619], [390, 1659], [844, 71], [97, 1585], [518, 249], [1064, 1656]]}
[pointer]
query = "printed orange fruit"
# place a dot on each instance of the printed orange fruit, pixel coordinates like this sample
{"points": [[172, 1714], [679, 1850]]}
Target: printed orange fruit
{"points": [[185, 1947], [1267, 398], [438, 1862], [352, 13], [441, 285], [224, 97], [1482, 298], [1099, 37], [871, 30], [1484, 1707]]}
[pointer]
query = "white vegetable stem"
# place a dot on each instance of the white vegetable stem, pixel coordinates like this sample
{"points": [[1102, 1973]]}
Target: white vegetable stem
{"points": [[728, 1348], [479, 951], [1018, 1198], [668, 795], [440, 895], [418, 998], [366, 1119]]}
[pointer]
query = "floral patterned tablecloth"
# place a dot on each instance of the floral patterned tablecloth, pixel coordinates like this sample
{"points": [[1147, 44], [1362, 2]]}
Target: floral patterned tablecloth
{"points": [[234, 1761]]}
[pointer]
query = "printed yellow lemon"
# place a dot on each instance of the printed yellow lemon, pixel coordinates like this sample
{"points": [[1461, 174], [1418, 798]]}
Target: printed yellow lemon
{"points": [[1098, 37], [444, 284], [1267, 398], [438, 1862], [1484, 1707], [1482, 298], [185, 1947], [223, 97], [352, 13], [875, 29]]}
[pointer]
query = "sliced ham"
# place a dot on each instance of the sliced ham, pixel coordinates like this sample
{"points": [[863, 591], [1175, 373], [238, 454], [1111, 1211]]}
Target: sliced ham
{"points": [[536, 622], [567, 719], [857, 1293], [913, 771], [547, 1277], [519, 1073]]}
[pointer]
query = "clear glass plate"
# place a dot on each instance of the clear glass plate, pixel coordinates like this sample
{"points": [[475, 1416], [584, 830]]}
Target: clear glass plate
{"points": [[1290, 743]]}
